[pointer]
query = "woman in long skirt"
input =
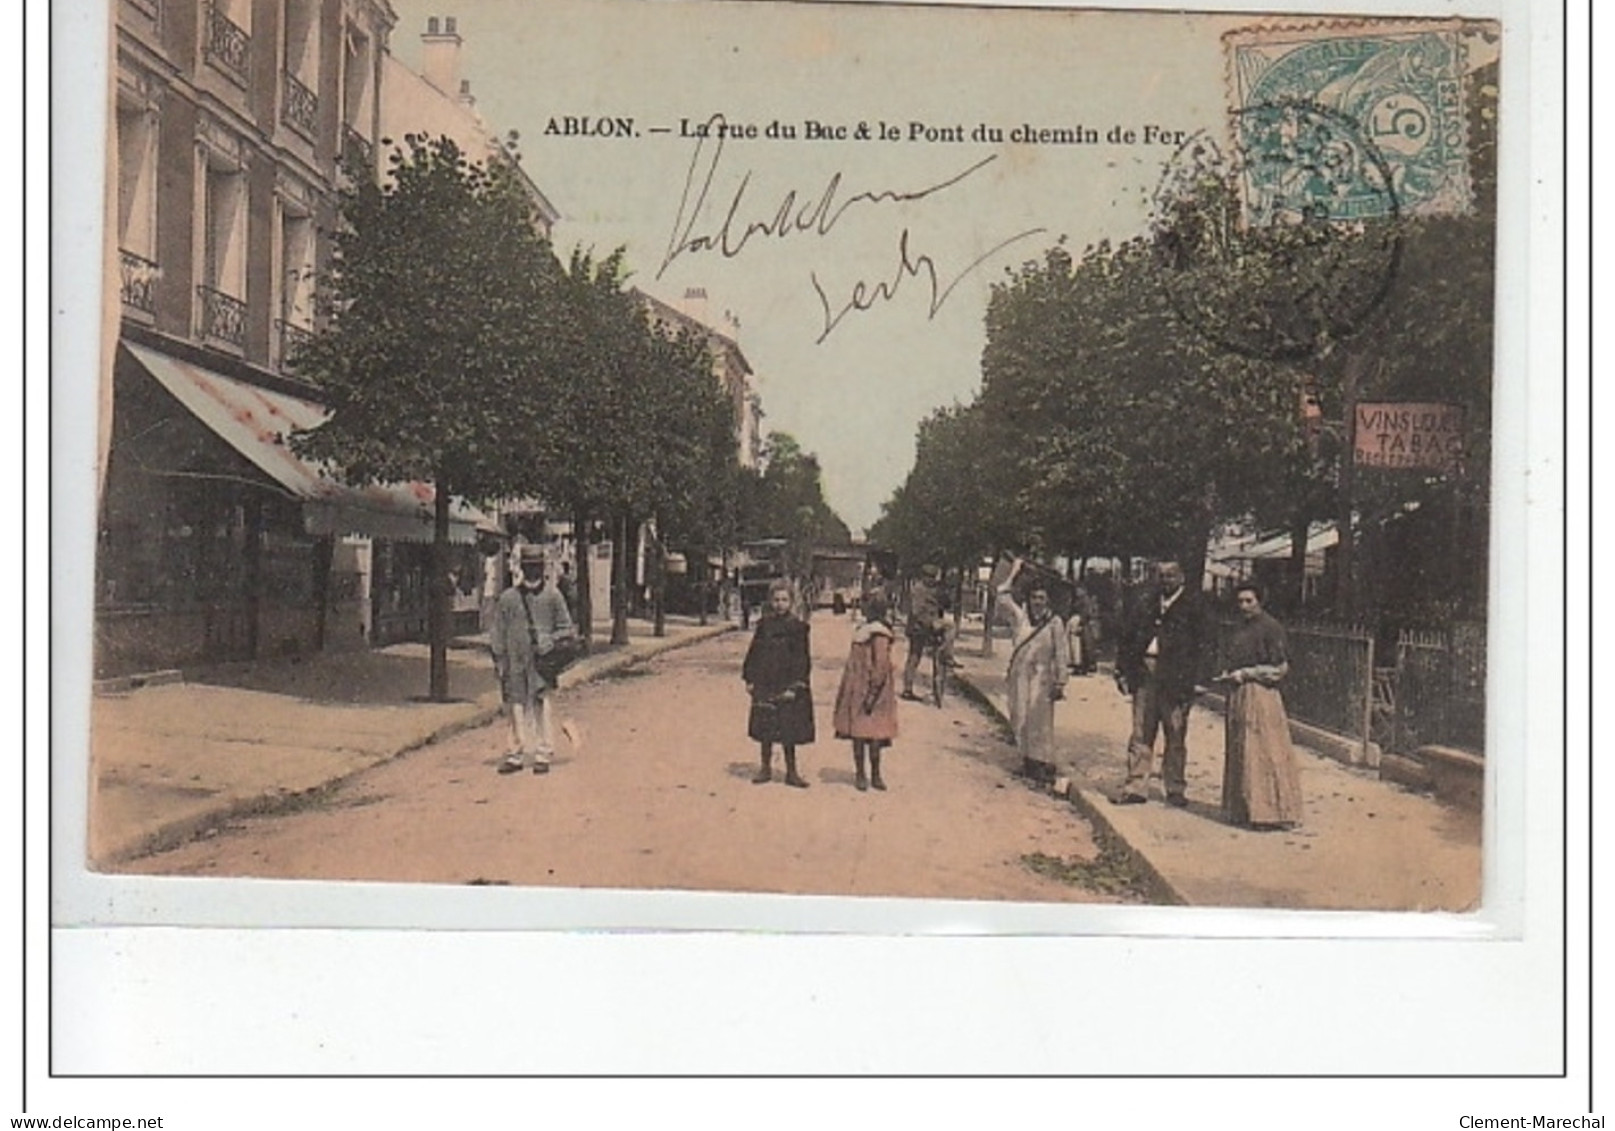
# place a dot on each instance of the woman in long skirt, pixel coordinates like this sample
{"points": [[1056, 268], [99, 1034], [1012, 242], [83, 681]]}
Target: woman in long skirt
{"points": [[866, 706], [1038, 670], [1261, 783]]}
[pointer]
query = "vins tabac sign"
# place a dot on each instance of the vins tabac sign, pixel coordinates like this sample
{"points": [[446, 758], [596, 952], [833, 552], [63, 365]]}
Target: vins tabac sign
{"points": [[1425, 437]]}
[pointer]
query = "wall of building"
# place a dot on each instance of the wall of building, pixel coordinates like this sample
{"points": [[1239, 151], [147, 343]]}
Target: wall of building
{"points": [[410, 104], [216, 92]]}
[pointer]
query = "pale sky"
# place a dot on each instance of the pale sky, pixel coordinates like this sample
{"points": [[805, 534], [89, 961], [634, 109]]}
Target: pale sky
{"points": [[856, 396]]}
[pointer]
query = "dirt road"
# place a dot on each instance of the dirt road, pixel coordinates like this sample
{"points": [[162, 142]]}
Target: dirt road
{"points": [[659, 795]]}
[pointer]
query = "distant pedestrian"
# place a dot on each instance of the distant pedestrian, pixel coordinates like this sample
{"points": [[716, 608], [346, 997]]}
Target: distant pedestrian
{"points": [[530, 620], [1261, 782], [875, 581], [493, 581], [1038, 670], [866, 704], [745, 600], [1085, 611], [568, 586], [1158, 663], [1073, 641], [929, 626], [776, 670]]}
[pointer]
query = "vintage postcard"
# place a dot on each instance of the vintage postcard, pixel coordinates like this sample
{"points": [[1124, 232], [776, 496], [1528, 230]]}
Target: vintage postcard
{"points": [[1031, 459], [571, 474]]}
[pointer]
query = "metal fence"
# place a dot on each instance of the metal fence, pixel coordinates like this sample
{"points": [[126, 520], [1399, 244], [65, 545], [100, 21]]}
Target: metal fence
{"points": [[1430, 691], [1441, 688], [1331, 680]]}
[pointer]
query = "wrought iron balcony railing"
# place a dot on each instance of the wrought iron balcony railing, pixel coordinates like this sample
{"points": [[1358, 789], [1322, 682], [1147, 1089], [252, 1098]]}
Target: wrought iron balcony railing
{"points": [[138, 284], [221, 317], [292, 339], [355, 143], [226, 44], [300, 107]]}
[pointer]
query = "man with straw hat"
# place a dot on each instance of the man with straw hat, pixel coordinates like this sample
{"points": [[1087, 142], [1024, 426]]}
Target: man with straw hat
{"points": [[529, 621]]}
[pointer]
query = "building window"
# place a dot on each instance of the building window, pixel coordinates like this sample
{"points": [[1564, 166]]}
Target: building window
{"points": [[300, 106], [294, 324], [137, 209], [357, 65], [227, 36], [221, 313]]}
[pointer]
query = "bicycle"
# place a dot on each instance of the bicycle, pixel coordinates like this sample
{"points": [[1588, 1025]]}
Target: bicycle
{"points": [[932, 648], [939, 671]]}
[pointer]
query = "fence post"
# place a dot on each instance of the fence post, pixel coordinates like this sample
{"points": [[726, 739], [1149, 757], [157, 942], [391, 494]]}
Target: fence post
{"points": [[1368, 708]]}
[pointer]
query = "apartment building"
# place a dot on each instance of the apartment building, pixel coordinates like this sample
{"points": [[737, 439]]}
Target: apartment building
{"points": [[729, 365], [234, 122]]}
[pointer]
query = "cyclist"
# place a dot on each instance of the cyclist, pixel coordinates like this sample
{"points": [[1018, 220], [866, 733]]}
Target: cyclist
{"points": [[928, 627]]}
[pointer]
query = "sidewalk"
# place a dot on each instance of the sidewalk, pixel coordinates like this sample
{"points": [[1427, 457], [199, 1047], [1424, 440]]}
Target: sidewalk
{"points": [[172, 760], [1364, 844]]}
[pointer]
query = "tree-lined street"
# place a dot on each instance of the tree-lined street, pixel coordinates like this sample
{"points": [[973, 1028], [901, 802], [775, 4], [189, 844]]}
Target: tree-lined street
{"points": [[644, 804], [660, 796]]}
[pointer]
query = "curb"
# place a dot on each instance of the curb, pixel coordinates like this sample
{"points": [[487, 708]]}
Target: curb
{"points": [[1157, 886], [181, 830], [120, 684], [1087, 803], [580, 673]]}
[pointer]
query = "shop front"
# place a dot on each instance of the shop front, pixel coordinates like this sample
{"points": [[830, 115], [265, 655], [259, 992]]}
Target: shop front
{"points": [[217, 543]]}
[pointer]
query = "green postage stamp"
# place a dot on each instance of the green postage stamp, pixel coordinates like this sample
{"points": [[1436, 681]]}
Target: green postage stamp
{"points": [[1373, 112]]}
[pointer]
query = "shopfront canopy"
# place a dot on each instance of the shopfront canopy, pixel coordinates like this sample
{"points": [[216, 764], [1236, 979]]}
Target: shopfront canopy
{"points": [[1249, 548], [256, 422]]}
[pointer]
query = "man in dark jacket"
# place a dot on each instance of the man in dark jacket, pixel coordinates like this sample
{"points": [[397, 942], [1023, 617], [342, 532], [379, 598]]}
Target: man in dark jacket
{"points": [[1158, 663]]}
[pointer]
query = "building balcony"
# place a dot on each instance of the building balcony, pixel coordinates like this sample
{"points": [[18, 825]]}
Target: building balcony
{"points": [[225, 44], [221, 317], [300, 107], [138, 282], [152, 8], [357, 146], [292, 338]]}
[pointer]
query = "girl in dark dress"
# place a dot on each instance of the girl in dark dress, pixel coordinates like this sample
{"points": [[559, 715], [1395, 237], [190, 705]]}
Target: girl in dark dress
{"points": [[776, 673]]}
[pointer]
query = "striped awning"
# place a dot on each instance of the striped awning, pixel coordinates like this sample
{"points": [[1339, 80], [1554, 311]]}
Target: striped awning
{"points": [[256, 422]]}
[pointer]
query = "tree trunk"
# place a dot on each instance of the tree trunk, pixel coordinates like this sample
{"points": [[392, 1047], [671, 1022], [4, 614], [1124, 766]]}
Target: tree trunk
{"points": [[583, 552], [991, 607], [253, 564], [658, 582], [324, 552], [620, 566], [1300, 526], [1345, 564], [437, 594], [1197, 542]]}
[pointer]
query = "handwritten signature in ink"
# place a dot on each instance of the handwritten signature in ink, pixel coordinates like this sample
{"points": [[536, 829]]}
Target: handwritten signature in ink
{"points": [[910, 265], [795, 214], [696, 229]]}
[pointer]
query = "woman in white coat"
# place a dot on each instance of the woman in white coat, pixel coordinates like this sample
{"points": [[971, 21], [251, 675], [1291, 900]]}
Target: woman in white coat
{"points": [[1038, 669]]}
